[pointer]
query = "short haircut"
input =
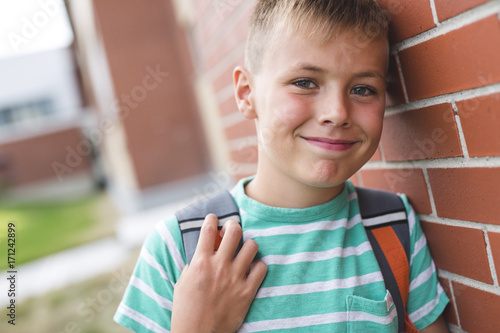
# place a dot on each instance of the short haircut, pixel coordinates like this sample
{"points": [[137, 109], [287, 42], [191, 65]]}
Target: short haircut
{"points": [[314, 18]]}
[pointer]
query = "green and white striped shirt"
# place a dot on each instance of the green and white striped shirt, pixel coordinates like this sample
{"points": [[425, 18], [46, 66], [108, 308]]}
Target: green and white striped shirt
{"points": [[322, 273]]}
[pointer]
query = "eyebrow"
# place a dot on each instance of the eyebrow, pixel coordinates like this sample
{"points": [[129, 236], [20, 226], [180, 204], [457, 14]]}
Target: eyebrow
{"points": [[309, 67], [316, 69], [371, 74]]}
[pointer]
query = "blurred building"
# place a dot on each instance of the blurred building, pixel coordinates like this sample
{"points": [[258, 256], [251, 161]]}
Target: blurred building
{"points": [[116, 107], [42, 115]]}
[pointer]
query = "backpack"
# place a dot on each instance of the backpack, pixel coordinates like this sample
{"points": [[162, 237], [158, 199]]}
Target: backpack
{"points": [[384, 218]]}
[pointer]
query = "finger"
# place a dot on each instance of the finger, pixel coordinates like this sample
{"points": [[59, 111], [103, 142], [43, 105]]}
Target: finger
{"points": [[231, 238], [208, 234], [246, 256], [258, 271]]}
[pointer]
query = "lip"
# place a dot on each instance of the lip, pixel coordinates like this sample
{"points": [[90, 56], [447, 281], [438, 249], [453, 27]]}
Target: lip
{"points": [[331, 144]]}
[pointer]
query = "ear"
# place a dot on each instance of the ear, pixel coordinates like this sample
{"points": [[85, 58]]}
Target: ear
{"points": [[244, 92]]}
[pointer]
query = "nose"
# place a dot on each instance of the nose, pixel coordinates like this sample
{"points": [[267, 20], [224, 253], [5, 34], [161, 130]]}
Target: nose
{"points": [[334, 110]]}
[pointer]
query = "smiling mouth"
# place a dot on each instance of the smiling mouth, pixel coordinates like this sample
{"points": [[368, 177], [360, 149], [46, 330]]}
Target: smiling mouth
{"points": [[330, 144]]}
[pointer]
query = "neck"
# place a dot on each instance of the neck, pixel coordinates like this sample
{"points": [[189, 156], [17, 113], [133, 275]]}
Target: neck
{"points": [[283, 192]]}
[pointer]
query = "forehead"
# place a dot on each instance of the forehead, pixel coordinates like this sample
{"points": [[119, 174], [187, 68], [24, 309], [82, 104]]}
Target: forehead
{"points": [[344, 52]]}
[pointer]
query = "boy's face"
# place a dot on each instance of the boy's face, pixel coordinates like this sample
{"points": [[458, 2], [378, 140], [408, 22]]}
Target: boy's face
{"points": [[319, 108]]}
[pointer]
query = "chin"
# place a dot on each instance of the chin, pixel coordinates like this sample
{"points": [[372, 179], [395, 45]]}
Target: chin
{"points": [[326, 175], [325, 182]]}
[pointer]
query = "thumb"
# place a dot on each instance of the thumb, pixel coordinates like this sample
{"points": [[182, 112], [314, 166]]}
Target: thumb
{"points": [[183, 273]]}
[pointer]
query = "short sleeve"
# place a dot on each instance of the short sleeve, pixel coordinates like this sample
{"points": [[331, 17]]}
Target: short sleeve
{"points": [[426, 299], [147, 303]]}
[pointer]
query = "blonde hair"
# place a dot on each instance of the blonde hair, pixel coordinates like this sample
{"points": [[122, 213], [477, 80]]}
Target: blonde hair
{"points": [[314, 18]]}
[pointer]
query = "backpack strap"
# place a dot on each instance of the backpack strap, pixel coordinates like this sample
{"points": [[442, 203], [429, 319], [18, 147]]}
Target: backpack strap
{"points": [[384, 218], [386, 224], [191, 218]]}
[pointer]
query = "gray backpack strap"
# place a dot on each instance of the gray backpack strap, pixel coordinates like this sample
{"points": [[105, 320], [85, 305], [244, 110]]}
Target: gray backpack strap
{"points": [[381, 209], [191, 218]]}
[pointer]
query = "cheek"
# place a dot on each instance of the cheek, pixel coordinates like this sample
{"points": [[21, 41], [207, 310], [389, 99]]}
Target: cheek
{"points": [[291, 111], [370, 121]]}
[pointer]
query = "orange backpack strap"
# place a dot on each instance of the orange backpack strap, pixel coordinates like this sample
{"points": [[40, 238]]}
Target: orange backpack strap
{"points": [[386, 224]]}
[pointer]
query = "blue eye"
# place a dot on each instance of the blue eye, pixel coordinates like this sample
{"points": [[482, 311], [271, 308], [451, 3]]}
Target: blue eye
{"points": [[363, 91], [305, 84]]}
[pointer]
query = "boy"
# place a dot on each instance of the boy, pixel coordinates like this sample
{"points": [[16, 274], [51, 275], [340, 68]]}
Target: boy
{"points": [[314, 84]]}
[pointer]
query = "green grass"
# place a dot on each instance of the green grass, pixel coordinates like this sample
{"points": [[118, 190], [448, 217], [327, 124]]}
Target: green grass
{"points": [[49, 227]]}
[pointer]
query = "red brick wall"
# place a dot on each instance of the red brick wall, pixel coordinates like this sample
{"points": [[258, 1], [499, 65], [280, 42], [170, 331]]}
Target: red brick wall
{"points": [[219, 33], [440, 144]]}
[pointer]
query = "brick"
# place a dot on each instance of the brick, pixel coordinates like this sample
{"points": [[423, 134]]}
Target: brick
{"points": [[448, 8], [228, 106], [245, 155], [478, 310], [421, 134], [239, 176], [408, 181], [207, 26], [462, 59], [240, 130], [395, 94], [232, 38], [226, 78], [213, 16], [354, 180], [200, 9], [480, 119], [467, 193], [377, 157], [450, 313], [408, 18], [494, 238], [459, 250]]}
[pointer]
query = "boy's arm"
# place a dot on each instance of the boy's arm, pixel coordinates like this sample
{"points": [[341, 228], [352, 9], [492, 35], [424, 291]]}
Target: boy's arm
{"points": [[216, 290], [439, 326]]}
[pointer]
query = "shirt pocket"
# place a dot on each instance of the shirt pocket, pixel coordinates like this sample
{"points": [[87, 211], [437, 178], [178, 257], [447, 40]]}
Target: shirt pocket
{"points": [[367, 315]]}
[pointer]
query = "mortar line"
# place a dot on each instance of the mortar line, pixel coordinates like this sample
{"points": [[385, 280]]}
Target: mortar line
{"points": [[490, 259], [453, 299], [466, 281], [429, 191], [449, 162], [461, 134], [401, 77], [232, 119], [460, 223], [454, 328], [242, 143], [434, 13], [225, 93], [446, 98], [471, 16]]}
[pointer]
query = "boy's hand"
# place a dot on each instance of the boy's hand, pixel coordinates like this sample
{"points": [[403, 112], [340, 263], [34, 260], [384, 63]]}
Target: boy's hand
{"points": [[215, 291]]}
